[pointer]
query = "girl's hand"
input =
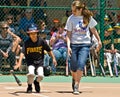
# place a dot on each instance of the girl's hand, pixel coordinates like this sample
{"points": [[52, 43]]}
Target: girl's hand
{"points": [[69, 52], [99, 46], [54, 62]]}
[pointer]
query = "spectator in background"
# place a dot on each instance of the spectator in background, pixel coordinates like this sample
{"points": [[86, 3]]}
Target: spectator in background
{"points": [[111, 47], [17, 23], [39, 13], [106, 19], [108, 44], [23, 2], [118, 16], [111, 13], [56, 23], [10, 21], [67, 14], [14, 11], [117, 44], [59, 46], [96, 12], [118, 11], [38, 3], [7, 40], [5, 2], [43, 33], [9, 18], [4, 11], [24, 22]]}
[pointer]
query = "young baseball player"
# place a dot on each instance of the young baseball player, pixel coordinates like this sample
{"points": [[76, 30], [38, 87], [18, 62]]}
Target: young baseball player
{"points": [[116, 47], [108, 45], [33, 49]]}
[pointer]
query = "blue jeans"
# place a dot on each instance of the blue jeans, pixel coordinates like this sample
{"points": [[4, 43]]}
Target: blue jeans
{"points": [[59, 53], [46, 60], [79, 56]]}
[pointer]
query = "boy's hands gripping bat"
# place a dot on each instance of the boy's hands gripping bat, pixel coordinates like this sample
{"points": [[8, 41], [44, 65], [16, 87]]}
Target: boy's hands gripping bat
{"points": [[16, 78]]}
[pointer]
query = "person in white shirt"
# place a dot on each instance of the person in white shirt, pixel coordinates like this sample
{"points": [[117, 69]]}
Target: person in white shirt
{"points": [[79, 40]]}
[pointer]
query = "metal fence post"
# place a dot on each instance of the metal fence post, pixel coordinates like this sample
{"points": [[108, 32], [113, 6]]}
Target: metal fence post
{"points": [[102, 14]]}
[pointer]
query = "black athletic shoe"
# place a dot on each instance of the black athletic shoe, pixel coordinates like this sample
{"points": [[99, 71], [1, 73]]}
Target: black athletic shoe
{"points": [[73, 83], [37, 86], [29, 89]]}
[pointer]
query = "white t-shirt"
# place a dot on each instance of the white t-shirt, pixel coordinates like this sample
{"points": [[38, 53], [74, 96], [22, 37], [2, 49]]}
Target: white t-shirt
{"points": [[80, 33]]}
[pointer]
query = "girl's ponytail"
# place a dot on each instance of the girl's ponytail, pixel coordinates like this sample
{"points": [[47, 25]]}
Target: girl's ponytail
{"points": [[86, 15]]}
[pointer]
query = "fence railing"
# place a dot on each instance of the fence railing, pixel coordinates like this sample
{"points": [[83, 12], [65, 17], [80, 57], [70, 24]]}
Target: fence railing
{"points": [[48, 10]]}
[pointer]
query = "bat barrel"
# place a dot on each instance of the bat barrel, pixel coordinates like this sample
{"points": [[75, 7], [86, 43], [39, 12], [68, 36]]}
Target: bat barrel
{"points": [[16, 79]]}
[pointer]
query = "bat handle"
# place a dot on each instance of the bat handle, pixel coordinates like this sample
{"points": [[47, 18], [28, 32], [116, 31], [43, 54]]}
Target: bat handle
{"points": [[11, 71]]}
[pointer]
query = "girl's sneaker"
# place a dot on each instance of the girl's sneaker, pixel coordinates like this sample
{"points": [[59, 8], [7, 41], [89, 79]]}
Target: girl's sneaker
{"points": [[76, 91]]}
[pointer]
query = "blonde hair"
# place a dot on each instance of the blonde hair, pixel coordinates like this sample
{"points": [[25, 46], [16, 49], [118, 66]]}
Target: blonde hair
{"points": [[2, 23], [85, 12]]}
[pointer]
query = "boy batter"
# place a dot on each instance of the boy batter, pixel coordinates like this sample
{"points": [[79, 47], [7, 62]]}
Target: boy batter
{"points": [[33, 49]]}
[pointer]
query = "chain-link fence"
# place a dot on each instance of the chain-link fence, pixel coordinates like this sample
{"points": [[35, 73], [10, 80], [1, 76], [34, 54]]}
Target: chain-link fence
{"points": [[19, 13]]}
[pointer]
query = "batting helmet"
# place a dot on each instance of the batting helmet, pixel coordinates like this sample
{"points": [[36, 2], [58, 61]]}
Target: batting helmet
{"points": [[32, 28]]}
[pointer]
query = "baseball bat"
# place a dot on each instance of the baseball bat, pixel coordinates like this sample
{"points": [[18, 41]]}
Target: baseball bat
{"points": [[102, 70], [93, 63], [16, 78], [91, 66], [99, 64], [67, 65], [115, 67], [116, 70], [85, 71], [101, 67], [110, 68], [1, 51], [109, 65], [66, 68]]}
